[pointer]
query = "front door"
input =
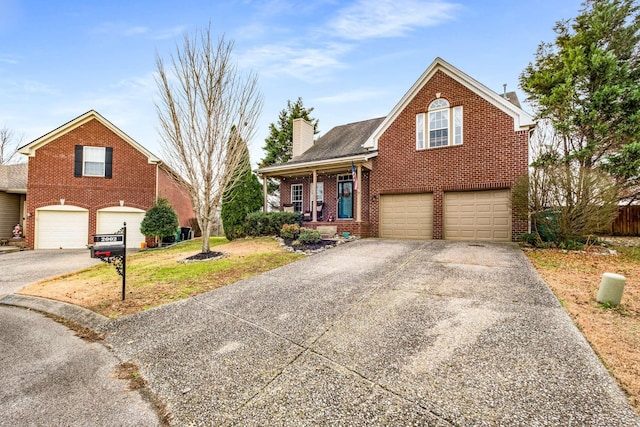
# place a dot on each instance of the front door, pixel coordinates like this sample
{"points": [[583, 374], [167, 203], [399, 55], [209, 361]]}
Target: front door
{"points": [[345, 199]]}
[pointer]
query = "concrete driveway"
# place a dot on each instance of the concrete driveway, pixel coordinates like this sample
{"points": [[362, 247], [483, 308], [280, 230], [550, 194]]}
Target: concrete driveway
{"points": [[21, 268], [376, 332]]}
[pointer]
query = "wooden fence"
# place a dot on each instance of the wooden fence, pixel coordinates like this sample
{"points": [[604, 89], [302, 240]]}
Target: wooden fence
{"points": [[628, 222]]}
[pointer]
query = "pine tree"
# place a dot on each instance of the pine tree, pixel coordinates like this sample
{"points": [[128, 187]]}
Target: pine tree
{"points": [[279, 144], [588, 84], [243, 198]]}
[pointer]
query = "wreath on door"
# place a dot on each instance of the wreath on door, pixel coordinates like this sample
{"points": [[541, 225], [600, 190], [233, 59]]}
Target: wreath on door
{"points": [[346, 192]]}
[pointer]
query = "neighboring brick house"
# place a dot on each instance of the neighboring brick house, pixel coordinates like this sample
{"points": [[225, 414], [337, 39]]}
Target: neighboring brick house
{"points": [[440, 165], [13, 190], [88, 177]]}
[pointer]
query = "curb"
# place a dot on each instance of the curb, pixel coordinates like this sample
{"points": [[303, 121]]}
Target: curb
{"points": [[82, 316]]}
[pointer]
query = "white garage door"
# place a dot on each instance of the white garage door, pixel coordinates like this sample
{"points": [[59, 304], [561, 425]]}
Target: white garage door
{"points": [[406, 216], [65, 227], [110, 220], [477, 215]]}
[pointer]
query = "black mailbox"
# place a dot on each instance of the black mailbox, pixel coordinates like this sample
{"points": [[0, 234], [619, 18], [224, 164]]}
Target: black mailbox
{"points": [[107, 251]]}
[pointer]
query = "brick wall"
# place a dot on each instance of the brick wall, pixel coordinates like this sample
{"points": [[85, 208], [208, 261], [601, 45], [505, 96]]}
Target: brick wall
{"points": [[330, 194], [492, 155], [51, 176], [177, 196]]}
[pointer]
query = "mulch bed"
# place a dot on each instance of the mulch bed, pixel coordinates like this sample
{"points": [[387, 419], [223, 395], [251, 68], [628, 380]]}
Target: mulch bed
{"points": [[203, 256], [308, 247]]}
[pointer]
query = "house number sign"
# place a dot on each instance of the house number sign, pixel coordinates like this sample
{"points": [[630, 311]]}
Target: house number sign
{"points": [[115, 253], [108, 238]]}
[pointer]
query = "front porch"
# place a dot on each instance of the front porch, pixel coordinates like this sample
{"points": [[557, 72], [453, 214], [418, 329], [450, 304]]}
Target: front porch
{"points": [[360, 229], [334, 193]]}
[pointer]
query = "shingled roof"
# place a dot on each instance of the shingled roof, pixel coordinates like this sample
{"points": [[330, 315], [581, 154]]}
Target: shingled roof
{"points": [[512, 97], [341, 141], [13, 178]]}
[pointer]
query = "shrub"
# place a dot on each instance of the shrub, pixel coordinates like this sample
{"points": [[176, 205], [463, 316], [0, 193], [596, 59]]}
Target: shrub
{"points": [[160, 220], [270, 223], [309, 235], [290, 231], [532, 239]]}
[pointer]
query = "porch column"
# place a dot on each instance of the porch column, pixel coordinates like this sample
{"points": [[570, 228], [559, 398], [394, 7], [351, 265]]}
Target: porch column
{"points": [[359, 194], [264, 194], [314, 195]]}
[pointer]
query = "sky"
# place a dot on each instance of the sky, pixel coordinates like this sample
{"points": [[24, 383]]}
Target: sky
{"points": [[348, 60]]}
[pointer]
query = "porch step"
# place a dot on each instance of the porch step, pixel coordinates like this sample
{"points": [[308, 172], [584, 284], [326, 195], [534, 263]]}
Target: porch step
{"points": [[327, 231]]}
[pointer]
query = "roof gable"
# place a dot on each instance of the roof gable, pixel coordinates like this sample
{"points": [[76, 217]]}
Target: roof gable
{"points": [[30, 148], [341, 141], [521, 119]]}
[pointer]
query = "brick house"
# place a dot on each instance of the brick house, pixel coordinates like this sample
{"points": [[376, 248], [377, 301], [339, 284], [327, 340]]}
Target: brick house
{"points": [[88, 177], [13, 190], [440, 165]]}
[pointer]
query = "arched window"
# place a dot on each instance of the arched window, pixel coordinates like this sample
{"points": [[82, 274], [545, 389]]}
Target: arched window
{"points": [[443, 125]]}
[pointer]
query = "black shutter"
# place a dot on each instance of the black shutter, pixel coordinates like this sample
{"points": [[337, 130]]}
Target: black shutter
{"points": [[77, 171], [108, 161]]}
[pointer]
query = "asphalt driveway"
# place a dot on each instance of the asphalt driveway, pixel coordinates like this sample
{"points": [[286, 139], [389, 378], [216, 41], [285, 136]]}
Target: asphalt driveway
{"points": [[376, 332], [49, 376]]}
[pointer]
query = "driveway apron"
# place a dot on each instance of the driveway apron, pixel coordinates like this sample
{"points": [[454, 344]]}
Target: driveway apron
{"points": [[376, 332]]}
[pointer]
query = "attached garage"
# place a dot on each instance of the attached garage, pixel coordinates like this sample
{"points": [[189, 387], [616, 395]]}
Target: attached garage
{"points": [[110, 220], [61, 227], [406, 216], [477, 215]]}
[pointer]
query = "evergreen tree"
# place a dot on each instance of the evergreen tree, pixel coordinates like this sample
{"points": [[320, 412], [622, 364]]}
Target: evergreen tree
{"points": [[160, 221], [243, 198], [279, 144], [588, 84]]}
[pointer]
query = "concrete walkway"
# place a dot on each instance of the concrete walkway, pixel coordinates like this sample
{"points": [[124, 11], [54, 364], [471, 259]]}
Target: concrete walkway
{"points": [[376, 332]]}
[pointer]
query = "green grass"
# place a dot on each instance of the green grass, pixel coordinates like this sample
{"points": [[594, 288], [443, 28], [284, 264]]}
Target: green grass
{"points": [[156, 277], [630, 252]]}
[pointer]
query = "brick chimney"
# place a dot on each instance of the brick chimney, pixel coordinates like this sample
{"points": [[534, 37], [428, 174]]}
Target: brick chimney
{"points": [[302, 136]]}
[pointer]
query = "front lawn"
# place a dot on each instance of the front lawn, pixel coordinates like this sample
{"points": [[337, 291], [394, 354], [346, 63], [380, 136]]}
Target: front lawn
{"points": [[156, 277], [613, 332]]}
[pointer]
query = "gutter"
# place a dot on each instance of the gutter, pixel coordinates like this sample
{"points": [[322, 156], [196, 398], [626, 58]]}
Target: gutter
{"points": [[365, 157]]}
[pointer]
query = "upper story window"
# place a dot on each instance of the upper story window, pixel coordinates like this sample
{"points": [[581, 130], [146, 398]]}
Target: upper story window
{"points": [[93, 161], [441, 126]]}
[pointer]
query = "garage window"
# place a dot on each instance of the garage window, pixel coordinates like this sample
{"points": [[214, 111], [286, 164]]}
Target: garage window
{"points": [[93, 161]]}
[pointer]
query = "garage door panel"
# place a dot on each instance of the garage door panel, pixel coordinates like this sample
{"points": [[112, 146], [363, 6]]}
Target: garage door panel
{"points": [[66, 229], [478, 215], [406, 216], [109, 222]]}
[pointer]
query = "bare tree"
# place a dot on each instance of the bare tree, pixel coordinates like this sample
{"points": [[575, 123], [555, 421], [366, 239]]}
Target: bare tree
{"points": [[565, 199], [9, 144], [206, 109]]}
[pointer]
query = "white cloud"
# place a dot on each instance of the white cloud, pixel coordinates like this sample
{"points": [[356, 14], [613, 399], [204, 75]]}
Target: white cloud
{"points": [[389, 18], [352, 96], [121, 29], [169, 33], [304, 63], [28, 87], [9, 59]]}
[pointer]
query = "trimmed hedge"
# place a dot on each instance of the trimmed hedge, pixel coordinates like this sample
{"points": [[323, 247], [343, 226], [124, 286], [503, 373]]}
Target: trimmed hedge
{"points": [[270, 223]]}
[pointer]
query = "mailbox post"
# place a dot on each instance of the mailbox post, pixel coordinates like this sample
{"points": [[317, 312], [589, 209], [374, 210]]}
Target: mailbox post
{"points": [[114, 253]]}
